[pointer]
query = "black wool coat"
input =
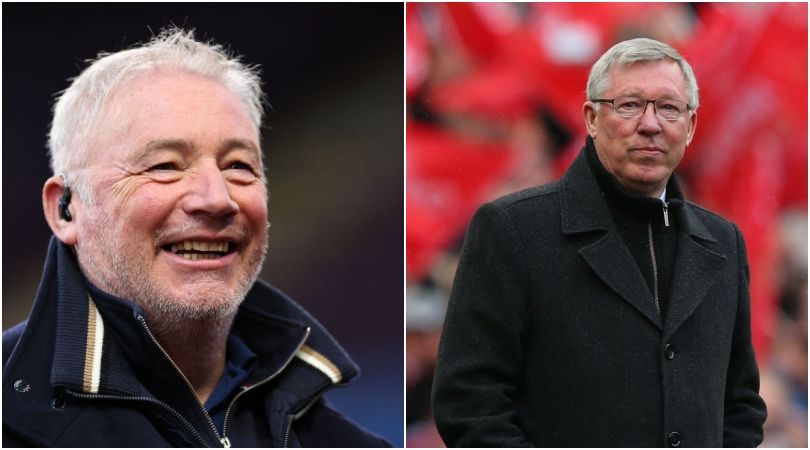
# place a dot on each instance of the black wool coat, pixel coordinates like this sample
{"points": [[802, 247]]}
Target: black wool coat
{"points": [[552, 338]]}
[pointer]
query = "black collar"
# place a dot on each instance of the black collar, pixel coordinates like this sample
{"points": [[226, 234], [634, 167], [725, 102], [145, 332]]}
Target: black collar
{"points": [[631, 209], [584, 207]]}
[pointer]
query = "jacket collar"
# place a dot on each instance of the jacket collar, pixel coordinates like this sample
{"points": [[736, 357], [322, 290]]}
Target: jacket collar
{"points": [[102, 347], [696, 266], [584, 207], [59, 347]]}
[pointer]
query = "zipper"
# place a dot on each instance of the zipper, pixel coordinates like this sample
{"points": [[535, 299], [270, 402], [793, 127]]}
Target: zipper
{"points": [[666, 213], [165, 406], [287, 432], [272, 376], [226, 443], [654, 263], [300, 413]]}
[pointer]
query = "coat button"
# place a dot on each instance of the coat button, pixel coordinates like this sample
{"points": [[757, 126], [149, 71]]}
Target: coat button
{"points": [[668, 352], [22, 385], [674, 439]]}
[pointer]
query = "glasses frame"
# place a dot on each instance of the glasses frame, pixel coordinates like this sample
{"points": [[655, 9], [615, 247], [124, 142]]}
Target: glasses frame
{"points": [[612, 103]]}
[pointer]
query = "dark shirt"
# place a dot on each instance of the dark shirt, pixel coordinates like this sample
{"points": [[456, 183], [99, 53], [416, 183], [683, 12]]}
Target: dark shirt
{"points": [[239, 365]]}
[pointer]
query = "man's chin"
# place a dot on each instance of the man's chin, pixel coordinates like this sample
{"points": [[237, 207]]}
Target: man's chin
{"points": [[645, 177], [166, 312], [195, 305]]}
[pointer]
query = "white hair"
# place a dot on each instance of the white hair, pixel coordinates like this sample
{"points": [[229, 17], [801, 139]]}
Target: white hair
{"points": [[76, 112], [639, 50]]}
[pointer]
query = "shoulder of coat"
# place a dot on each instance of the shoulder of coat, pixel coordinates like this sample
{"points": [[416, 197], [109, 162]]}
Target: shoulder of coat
{"points": [[528, 194], [709, 217]]}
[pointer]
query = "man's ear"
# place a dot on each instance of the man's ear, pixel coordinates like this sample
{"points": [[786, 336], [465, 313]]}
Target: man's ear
{"points": [[52, 192], [589, 112], [690, 133]]}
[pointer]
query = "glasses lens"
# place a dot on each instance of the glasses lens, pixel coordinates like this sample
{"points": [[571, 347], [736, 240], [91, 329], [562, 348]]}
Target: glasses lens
{"points": [[629, 106], [670, 109]]}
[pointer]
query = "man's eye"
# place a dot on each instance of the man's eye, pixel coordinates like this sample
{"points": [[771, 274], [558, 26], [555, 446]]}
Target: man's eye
{"points": [[238, 165], [630, 105], [164, 166]]}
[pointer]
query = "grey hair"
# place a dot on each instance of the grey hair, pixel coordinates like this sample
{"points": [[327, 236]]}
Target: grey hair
{"points": [[78, 107], [639, 50]]}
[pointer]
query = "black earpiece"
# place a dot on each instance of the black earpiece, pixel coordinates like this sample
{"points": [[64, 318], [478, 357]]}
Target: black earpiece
{"points": [[64, 212]]}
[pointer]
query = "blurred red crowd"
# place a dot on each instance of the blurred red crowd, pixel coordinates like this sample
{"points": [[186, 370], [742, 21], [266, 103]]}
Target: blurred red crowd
{"points": [[495, 93]]}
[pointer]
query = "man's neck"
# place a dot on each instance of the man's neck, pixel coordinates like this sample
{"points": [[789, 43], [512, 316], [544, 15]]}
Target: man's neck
{"points": [[197, 348]]}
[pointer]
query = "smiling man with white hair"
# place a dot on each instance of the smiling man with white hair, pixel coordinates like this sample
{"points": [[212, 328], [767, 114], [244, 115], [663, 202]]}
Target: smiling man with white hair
{"points": [[150, 327]]}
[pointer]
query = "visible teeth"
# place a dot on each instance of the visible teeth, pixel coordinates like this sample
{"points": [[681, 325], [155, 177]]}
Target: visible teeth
{"points": [[196, 256], [219, 247]]}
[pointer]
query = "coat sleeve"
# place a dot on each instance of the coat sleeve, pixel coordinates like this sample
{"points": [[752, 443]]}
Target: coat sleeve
{"points": [[480, 363], [744, 409]]}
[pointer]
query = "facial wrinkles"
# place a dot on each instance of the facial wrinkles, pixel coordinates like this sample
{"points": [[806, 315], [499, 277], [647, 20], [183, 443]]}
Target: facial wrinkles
{"points": [[126, 187], [663, 88], [123, 268], [618, 139], [122, 271], [138, 210]]}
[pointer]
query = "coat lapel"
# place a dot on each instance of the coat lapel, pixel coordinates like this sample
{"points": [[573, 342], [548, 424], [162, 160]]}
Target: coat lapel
{"points": [[696, 269], [613, 263], [584, 210]]}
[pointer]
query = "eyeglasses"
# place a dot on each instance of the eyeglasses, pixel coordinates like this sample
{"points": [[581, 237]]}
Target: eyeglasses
{"points": [[633, 107]]}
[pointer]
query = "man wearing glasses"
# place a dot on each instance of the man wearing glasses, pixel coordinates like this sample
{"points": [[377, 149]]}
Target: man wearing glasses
{"points": [[605, 310]]}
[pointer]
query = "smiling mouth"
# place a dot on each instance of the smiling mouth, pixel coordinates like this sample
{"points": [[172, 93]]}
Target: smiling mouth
{"points": [[196, 250]]}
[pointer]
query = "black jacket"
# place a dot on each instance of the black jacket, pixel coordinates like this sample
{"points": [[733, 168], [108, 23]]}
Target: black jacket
{"points": [[552, 337], [86, 373]]}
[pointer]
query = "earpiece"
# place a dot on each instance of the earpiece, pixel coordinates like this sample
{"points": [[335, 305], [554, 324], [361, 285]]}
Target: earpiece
{"points": [[64, 201]]}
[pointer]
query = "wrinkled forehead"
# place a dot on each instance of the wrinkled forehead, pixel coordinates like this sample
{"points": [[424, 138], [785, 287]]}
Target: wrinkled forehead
{"points": [[160, 85], [663, 73], [173, 104]]}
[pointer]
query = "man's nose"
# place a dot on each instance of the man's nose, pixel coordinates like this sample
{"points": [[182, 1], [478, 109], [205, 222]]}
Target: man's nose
{"points": [[209, 193], [649, 122]]}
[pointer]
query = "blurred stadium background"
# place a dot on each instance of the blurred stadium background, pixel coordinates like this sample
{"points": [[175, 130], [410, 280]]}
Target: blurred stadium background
{"points": [[494, 97], [334, 76]]}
